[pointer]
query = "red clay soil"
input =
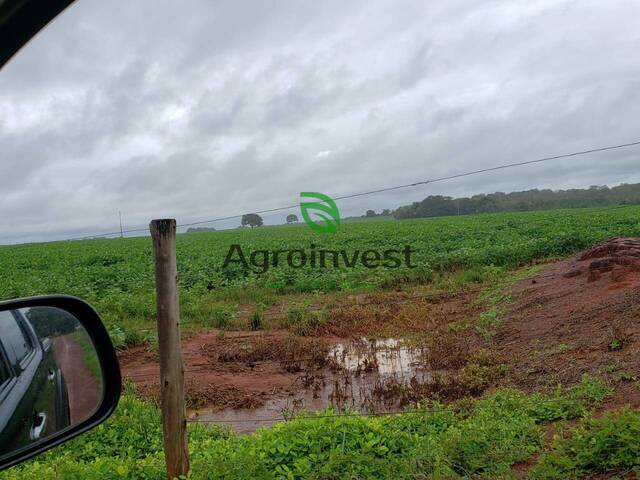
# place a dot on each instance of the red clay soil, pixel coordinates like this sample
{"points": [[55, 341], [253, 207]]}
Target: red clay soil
{"points": [[245, 369], [237, 370], [85, 393], [576, 316], [396, 314]]}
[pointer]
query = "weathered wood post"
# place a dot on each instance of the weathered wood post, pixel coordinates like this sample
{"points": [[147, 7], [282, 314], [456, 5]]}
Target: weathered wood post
{"points": [[174, 424]]}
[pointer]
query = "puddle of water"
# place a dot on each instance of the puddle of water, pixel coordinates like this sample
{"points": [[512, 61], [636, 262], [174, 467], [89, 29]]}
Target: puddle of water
{"points": [[364, 375], [386, 357]]}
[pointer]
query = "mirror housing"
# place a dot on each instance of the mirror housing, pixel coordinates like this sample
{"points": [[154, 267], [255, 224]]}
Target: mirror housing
{"points": [[102, 354]]}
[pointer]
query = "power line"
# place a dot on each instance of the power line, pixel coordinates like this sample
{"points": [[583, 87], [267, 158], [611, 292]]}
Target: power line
{"points": [[100, 235], [491, 169], [388, 189], [435, 180]]}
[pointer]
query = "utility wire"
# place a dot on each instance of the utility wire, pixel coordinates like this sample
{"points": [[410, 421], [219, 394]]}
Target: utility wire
{"points": [[387, 189], [433, 180]]}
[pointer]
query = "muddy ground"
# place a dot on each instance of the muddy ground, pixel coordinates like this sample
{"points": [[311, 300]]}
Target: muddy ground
{"points": [[386, 350], [576, 316]]}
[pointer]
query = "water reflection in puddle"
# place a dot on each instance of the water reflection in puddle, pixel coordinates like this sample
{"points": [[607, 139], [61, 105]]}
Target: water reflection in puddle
{"points": [[385, 357], [365, 374]]}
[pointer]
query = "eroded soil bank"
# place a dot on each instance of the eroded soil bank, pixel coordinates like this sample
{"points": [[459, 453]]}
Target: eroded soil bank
{"points": [[579, 315], [381, 352]]}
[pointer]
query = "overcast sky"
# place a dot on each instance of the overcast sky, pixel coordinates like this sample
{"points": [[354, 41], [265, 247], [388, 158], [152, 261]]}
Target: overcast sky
{"points": [[202, 109]]}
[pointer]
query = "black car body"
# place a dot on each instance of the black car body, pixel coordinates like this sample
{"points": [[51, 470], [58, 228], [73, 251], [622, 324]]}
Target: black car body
{"points": [[34, 401]]}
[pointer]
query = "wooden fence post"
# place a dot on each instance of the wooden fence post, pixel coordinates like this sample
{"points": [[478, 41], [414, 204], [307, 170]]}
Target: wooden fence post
{"points": [[174, 424]]}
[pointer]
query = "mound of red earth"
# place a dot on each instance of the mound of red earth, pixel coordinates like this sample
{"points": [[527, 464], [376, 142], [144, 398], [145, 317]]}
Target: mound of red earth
{"points": [[577, 316], [620, 257]]}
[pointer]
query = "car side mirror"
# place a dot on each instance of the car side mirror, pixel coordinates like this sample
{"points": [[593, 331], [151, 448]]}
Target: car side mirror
{"points": [[59, 375]]}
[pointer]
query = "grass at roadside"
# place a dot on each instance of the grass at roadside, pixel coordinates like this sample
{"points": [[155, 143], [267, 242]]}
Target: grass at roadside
{"points": [[497, 297], [90, 356], [469, 439], [608, 444]]}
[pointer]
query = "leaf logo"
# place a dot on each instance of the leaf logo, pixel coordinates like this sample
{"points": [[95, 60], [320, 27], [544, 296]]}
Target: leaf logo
{"points": [[325, 208]]}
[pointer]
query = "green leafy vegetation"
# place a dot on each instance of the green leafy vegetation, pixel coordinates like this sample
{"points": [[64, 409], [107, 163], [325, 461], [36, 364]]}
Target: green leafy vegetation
{"points": [[116, 275], [470, 439], [496, 297], [605, 445], [563, 348], [257, 319], [615, 344]]}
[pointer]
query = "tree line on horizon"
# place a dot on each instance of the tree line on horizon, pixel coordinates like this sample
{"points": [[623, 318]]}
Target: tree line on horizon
{"points": [[528, 200]]}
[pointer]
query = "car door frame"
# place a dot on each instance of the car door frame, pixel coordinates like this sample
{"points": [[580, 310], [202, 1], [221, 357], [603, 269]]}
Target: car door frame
{"points": [[25, 373]]}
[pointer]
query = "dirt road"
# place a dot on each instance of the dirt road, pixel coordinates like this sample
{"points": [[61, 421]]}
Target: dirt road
{"points": [[85, 393]]}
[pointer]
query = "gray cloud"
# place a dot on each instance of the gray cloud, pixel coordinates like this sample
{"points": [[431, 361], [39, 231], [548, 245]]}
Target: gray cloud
{"points": [[201, 109]]}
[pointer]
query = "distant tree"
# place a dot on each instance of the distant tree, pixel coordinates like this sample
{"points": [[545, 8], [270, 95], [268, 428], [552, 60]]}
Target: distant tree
{"points": [[251, 219], [51, 322], [370, 213], [292, 218], [386, 212]]}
